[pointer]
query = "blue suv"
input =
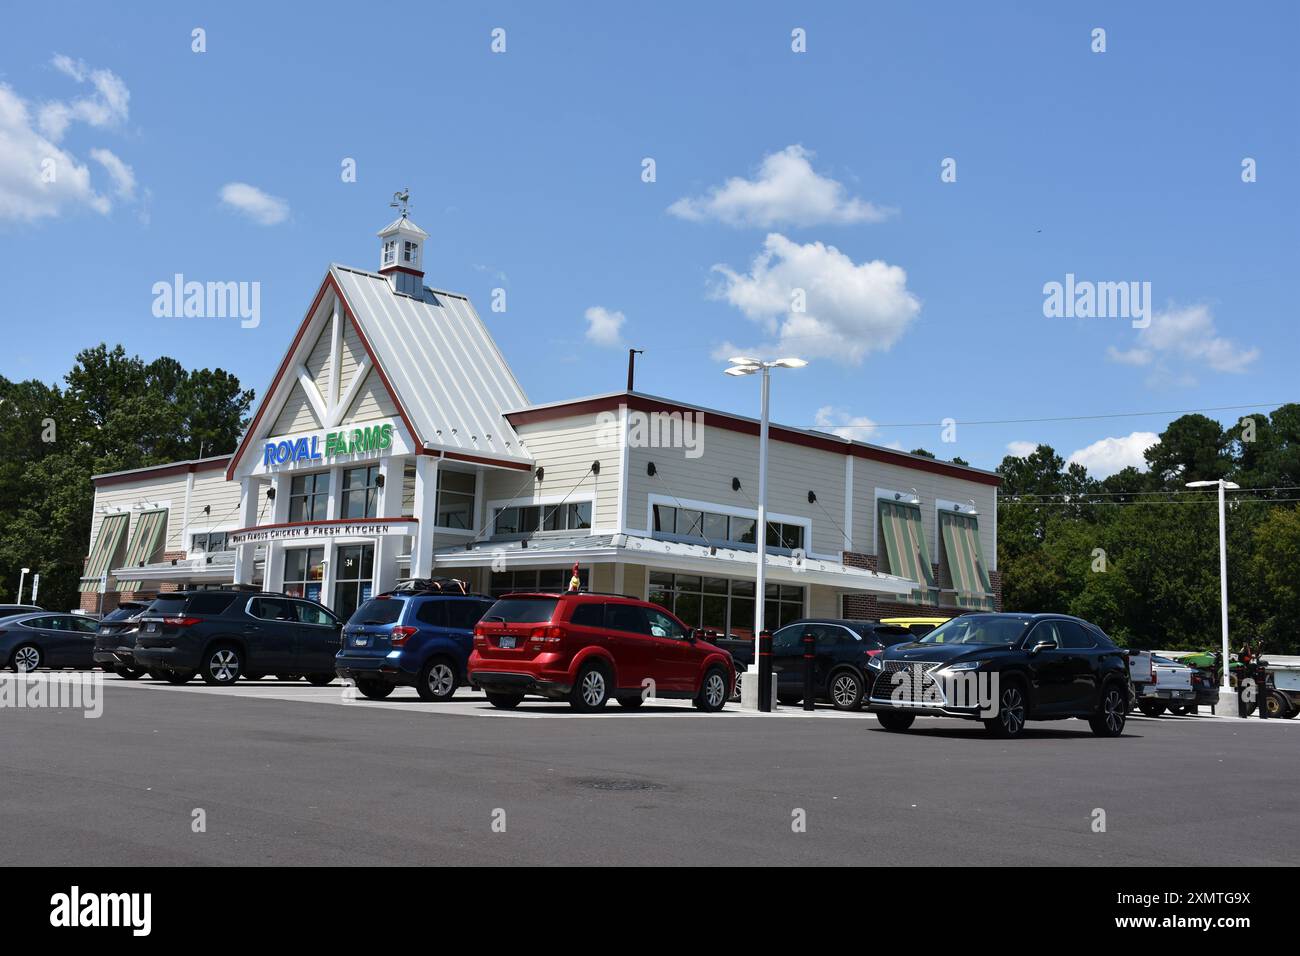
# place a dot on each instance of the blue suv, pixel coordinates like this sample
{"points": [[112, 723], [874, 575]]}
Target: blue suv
{"points": [[419, 635]]}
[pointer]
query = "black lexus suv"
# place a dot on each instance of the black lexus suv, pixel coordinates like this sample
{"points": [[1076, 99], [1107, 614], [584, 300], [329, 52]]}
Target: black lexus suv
{"points": [[841, 650], [1005, 669], [223, 635]]}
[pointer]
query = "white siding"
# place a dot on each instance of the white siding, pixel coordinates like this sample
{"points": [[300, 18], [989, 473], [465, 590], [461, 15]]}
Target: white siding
{"points": [[296, 415]]}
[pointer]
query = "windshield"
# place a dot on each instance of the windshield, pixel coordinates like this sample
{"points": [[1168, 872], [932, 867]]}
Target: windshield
{"points": [[978, 629]]}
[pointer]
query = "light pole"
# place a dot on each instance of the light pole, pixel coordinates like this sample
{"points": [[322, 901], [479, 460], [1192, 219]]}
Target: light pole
{"points": [[1227, 697], [741, 365], [22, 580]]}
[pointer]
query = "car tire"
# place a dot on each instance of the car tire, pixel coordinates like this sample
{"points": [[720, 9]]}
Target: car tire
{"points": [[504, 701], [846, 690], [438, 680], [1112, 712], [895, 721], [1152, 708], [713, 691], [26, 657], [320, 680], [631, 702], [128, 673], [222, 664], [1013, 710], [1279, 708], [178, 677], [591, 690], [374, 689], [1182, 710]]}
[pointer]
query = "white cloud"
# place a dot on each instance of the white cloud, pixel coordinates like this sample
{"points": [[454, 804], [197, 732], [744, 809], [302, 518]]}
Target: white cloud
{"points": [[1021, 449], [1187, 334], [786, 191], [604, 327], [849, 309], [38, 180], [107, 106], [122, 175], [1109, 455], [839, 422], [263, 208]]}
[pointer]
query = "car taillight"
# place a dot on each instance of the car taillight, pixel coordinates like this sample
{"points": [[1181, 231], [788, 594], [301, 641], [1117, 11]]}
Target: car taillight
{"points": [[181, 621], [400, 634], [551, 634]]}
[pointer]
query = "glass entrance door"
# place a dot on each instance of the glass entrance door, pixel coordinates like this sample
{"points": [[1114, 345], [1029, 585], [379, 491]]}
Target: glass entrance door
{"points": [[354, 577]]}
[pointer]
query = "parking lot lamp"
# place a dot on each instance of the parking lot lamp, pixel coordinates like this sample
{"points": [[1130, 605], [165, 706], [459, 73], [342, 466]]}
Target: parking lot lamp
{"points": [[741, 365], [22, 580], [1227, 697]]}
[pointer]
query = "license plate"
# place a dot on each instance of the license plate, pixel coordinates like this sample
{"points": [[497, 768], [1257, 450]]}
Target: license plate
{"points": [[152, 627], [508, 643], [360, 641]]}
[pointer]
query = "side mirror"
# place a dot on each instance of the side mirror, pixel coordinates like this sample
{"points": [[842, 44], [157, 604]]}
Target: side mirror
{"points": [[1043, 646], [691, 635]]}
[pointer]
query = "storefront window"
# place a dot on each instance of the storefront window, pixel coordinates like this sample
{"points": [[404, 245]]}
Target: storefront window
{"points": [[722, 604], [309, 497], [529, 519], [353, 578], [535, 579], [360, 492], [455, 499], [716, 528], [304, 570]]}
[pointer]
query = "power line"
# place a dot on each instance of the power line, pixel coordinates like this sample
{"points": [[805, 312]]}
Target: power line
{"points": [[1125, 494]]}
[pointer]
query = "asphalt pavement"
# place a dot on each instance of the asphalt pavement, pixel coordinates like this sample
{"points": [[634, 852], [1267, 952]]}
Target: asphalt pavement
{"points": [[272, 773]]}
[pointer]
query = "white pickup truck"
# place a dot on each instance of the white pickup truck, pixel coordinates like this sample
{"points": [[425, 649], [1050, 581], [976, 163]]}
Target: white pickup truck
{"points": [[1160, 683]]}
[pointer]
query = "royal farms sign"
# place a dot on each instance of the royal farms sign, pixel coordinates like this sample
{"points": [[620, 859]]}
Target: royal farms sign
{"points": [[352, 441]]}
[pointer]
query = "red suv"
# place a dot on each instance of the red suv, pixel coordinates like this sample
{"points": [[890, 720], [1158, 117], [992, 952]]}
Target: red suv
{"points": [[586, 648]]}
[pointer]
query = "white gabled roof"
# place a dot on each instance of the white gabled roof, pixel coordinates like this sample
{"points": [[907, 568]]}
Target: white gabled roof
{"points": [[402, 224], [442, 363]]}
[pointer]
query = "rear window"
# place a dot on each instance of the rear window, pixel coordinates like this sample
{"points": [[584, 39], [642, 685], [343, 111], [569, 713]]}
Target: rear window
{"points": [[121, 614], [168, 606], [378, 611], [213, 602], [522, 610]]}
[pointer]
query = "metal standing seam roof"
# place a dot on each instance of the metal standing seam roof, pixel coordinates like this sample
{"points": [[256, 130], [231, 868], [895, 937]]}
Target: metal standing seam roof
{"points": [[447, 372]]}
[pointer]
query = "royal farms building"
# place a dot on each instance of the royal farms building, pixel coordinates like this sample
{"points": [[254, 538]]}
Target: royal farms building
{"points": [[394, 442]]}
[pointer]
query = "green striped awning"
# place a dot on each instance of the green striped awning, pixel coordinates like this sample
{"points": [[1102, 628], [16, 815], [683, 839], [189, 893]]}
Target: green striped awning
{"points": [[111, 530], [146, 542], [904, 547], [964, 560]]}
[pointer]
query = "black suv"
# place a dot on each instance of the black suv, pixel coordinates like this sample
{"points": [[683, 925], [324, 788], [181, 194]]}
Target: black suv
{"points": [[115, 640], [841, 651], [222, 635], [1005, 669]]}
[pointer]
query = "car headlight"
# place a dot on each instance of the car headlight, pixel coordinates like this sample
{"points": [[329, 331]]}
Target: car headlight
{"points": [[962, 666], [874, 663]]}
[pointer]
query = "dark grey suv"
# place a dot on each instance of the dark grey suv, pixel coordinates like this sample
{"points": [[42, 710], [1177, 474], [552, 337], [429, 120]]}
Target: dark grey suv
{"points": [[224, 635]]}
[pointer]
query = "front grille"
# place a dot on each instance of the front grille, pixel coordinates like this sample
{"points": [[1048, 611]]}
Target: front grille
{"points": [[907, 689]]}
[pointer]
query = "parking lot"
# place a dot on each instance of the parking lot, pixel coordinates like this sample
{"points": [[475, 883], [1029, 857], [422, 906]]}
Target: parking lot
{"points": [[291, 774]]}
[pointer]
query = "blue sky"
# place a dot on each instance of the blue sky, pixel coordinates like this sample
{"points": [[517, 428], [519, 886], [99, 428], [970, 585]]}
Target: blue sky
{"points": [[774, 170]]}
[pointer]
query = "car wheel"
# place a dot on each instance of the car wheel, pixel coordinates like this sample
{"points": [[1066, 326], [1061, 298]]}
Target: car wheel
{"points": [[789, 700], [895, 721], [713, 691], [320, 680], [631, 703], [437, 680], [26, 658], [1151, 708], [1278, 706], [222, 665], [846, 691], [128, 673], [735, 691], [374, 689], [504, 701], [1010, 719], [590, 690], [178, 677], [1111, 712], [255, 675]]}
